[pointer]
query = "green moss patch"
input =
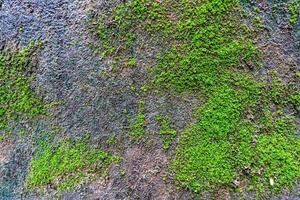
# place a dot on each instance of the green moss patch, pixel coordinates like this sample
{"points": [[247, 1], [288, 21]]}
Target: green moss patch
{"points": [[294, 8], [138, 124], [277, 156], [212, 151], [238, 137], [67, 164], [17, 99], [167, 133]]}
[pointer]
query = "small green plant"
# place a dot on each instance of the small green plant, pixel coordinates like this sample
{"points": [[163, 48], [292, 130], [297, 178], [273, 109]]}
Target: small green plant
{"points": [[294, 8], [137, 127], [70, 182], [295, 99], [258, 22], [277, 89], [5, 136], [131, 63], [166, 131], [66, 164], [112, 140], [130, 39], [123, 173]]}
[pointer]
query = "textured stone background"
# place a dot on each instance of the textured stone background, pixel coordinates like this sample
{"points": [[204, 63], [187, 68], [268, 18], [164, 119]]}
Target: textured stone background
{"points": [[69, 72]]}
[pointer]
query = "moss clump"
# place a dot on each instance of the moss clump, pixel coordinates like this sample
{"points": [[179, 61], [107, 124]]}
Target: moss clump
{"points": [[277, 156], [166, 131], [294, 8], [258, 22], [17, 99], [295, 99], [114, 29], [213, 150], [137, 127], [112, 140], [131, 63], [210, 50], [67, 164]]}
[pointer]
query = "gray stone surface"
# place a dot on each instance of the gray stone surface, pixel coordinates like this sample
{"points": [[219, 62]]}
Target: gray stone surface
{"points": [[69, 72]]}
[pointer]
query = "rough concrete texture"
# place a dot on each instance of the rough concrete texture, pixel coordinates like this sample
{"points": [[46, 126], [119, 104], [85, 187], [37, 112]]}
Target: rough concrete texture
{"points": [[70, 72]]}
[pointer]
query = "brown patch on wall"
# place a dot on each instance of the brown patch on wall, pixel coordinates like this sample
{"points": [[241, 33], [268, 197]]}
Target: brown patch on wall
{"points": [[5, 148], [143, 178]]}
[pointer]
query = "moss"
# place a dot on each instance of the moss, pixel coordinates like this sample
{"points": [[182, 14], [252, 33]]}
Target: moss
{"points": [[137, 127], [185, 67], [295, 99], [165, 126], [294, 8], [112, 140], [5, 136], [211, 153], [210, 50], [17, 99], [277, 90], [67, 163], [131, 63], [70, 182], [277, 155], [167, 133], [258, 22]]}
